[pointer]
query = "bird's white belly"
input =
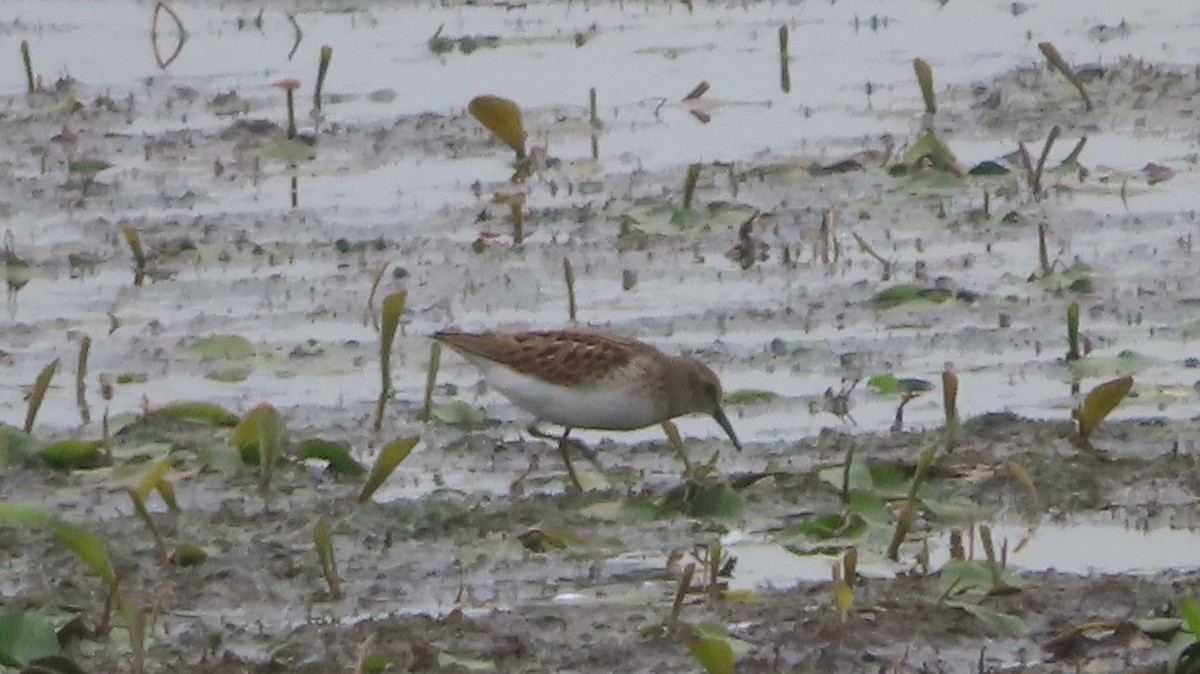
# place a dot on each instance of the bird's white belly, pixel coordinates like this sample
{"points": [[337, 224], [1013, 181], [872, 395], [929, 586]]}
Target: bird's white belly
{"points": [[617, 408]]}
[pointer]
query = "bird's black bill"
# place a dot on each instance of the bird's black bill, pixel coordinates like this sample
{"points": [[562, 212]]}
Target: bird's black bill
{"points": [[719, 415]]}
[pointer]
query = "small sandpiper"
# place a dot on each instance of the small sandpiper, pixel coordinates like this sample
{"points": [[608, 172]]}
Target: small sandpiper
{"points": [[582, 379]]}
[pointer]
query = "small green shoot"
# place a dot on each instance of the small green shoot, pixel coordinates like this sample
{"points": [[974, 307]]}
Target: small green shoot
{"points": [[323, 542], [322, 70], [435, 362], [85, 346], [223, 347], [393, 306], [263, 429], [139, 507], [569, 277], [908, 516], [134, 239], [390, 456], [671, 626], [27, 60], [950, 405], [154, 479], [1098, 404], [1060, 64], [1073, 332], [40, 386], [375, 280], [713, 653], [785, 76], [925, 81], [843, 593]]}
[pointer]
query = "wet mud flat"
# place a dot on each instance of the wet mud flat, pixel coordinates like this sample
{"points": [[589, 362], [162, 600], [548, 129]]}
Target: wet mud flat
{"points": [[472, 557]]}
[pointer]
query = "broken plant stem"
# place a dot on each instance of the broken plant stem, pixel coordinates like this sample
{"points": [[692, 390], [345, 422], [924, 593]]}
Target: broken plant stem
{"points": [[569, 276]]}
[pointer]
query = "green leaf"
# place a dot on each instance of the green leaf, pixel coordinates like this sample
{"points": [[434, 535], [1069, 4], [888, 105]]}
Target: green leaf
{"points": [[88, 166], [223, 347], [458, 414], [1190, 610], [87, 546], [73, 454], [14, 444], [1098, 403], [390, 456], [715, 655], [198, 411], [930, 147], [376, 664], [25, 637], [335, 453], [24, 515]]}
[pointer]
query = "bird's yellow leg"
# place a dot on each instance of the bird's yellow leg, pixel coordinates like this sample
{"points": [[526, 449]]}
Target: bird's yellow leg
{"points": [[676, 441]]}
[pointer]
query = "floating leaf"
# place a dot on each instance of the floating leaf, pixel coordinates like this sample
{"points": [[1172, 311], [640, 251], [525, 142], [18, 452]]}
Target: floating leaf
{"points": [[198, 411], [223, 347], [73, 454], [1000, 622], [335, 453], [908, 292], [458, 414], [25, 637], [1098, 403], [88, 166], [390, 456], [503, 118], [230, 375]]}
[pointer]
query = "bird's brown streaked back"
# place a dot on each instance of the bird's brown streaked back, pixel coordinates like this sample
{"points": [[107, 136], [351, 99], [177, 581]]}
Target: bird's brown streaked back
{"points": [[562, 357]]}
